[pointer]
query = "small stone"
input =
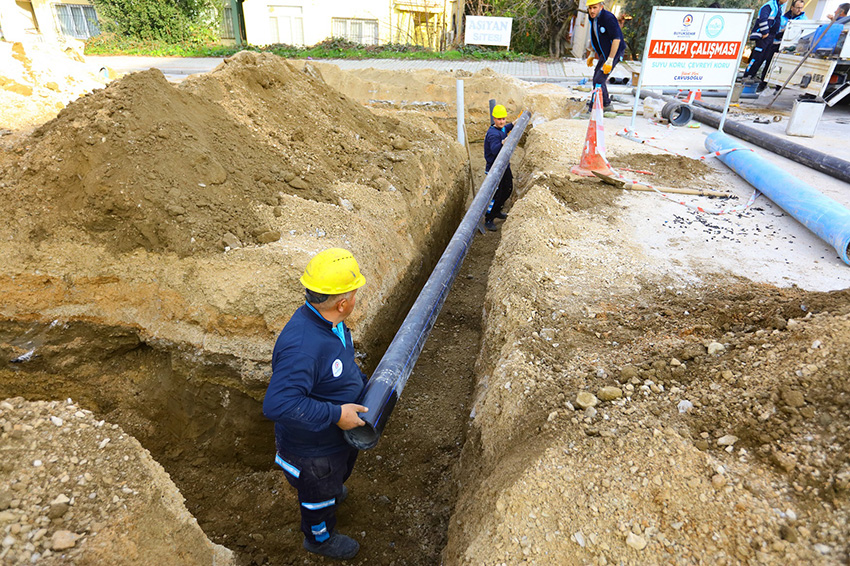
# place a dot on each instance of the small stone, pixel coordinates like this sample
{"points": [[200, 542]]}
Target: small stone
{"points": [[636, 541], [715, 348], [609, 393], [627, 373], [299, 183], [816, 344], [793, 398], [57, 421], [727, 440], [586, 399], [579, 538], [57, 510], [684, 406], [590, 412], [61, 498], [788, 533], [8, 541], [785, 461], [718, 481], [64, 539], [268, 237], [231, 241], [821, 548]]}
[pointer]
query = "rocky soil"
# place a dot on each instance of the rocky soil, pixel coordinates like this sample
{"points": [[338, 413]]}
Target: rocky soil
{"points": [[625, 415]]}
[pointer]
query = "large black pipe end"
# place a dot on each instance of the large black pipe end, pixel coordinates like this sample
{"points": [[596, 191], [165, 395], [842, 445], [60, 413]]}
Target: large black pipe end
{"points": [[363, 437], [366, 436]]}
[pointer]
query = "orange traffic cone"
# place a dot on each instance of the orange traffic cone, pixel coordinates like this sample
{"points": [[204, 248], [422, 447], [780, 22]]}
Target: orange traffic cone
{"points": [[593, 154], [694, 95]]}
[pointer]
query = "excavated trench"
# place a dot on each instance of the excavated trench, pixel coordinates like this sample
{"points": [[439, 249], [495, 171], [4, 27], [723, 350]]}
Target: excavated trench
{"points": [[212, 439]]}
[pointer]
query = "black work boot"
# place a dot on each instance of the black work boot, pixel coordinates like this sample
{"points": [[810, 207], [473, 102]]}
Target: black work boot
{"points": [[490, 225], [338, 547]]}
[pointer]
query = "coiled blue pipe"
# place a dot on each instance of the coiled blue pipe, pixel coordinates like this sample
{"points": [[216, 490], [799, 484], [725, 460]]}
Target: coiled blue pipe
{"points": [[829, 219], [385, 385]]}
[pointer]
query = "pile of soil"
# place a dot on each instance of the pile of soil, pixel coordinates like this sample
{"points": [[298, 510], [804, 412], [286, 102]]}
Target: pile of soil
{"points": [[77, 490], [627, 415], [190, 168], [435, 93], [37, 80]]}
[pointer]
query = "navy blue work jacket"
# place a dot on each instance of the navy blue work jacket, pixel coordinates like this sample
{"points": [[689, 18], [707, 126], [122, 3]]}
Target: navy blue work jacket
{"points": [[313, 374], [604, 29], [493, 143]]}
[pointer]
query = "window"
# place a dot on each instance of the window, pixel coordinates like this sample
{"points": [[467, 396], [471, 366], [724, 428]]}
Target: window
{"points": [[364, 32], [286, 25], [77, 21], [227, 22]]}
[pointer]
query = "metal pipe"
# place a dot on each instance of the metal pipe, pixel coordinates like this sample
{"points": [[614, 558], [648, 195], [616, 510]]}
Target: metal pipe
{"points": [[460, 109], [817, 160], [827, 218], [386, 384]]}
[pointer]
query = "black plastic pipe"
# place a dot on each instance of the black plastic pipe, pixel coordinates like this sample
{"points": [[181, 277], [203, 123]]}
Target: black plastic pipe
{"points": [[388, 381], [817, 160]]}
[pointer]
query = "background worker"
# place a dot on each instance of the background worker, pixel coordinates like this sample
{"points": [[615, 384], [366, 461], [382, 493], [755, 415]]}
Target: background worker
{"points": [[606, 39], [795, 12], [841, 12], [312, 397], [764, 31], [493, 142]]}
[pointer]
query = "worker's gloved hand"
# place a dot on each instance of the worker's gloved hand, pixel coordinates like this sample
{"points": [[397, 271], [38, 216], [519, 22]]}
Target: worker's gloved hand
{"points": [[349, 418], [609, 64], [590, 61]]}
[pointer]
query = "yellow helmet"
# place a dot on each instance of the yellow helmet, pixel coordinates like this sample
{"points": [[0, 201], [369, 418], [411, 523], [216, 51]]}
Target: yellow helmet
{"points": [[593, 2], [499, 111], [332, 272]]}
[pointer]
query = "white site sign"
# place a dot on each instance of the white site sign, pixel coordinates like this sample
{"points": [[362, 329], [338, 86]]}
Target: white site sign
{"points": [[693, 48], [481, 30]]}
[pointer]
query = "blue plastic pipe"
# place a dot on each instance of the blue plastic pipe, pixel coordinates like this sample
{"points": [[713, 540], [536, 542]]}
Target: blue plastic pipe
{"points": [[829, 219], [388, 381]]}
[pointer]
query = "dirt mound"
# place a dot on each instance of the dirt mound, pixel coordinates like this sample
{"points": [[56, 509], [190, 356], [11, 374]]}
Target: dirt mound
{"points": [[625, 415], [37, 80], [191, 168], [435, 92], [79, 490]]}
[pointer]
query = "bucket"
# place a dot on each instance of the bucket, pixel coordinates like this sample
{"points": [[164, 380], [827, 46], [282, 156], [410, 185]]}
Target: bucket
{"points": [[805, 117], [749, 87]]}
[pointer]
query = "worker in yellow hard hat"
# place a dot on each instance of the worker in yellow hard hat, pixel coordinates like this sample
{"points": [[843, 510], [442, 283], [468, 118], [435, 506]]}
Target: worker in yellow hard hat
{"points": [[606, 40], [493, 141], [312, 398]]}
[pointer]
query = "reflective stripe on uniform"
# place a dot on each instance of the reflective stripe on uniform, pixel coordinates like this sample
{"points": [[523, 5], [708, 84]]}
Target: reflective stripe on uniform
{"points": [[287, 466], [320, 531], [320, 505]]}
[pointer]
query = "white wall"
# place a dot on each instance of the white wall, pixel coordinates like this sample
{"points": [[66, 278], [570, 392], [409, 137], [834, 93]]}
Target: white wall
{"points": [[315, 15]]}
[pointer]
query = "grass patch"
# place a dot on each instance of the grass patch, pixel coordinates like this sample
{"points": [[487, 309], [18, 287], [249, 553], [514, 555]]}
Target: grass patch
{"points": [[108, 44]]}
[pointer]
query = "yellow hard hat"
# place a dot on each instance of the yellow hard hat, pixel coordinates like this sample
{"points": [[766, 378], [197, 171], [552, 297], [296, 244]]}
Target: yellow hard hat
{"points": [[499, 111], [332, 272], [590, 3]]}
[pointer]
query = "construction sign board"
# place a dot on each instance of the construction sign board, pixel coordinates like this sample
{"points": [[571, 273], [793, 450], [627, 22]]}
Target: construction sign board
{"points": [[482, 30], [694, 48]]}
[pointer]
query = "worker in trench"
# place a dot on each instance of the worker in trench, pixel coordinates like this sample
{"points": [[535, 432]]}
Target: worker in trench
{"points": [[493, 142], [606, 40], [312, 398]]}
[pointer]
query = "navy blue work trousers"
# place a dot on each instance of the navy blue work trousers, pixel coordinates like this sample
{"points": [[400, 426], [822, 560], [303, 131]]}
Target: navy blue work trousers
{"points": [[319, 483], [503, 193], [601, 79], [758, 56]]}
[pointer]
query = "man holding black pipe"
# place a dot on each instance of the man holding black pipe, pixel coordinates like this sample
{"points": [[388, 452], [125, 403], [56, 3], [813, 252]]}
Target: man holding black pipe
{"points": [[312, 397]]}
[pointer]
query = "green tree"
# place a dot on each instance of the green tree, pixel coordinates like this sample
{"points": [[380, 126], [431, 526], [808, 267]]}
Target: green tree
{"points": [[173, 21], [539, 26], [641, 12]]}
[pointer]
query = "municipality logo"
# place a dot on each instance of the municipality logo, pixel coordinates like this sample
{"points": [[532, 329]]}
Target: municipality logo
{"points": [[687, 20], [714, 26]]}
